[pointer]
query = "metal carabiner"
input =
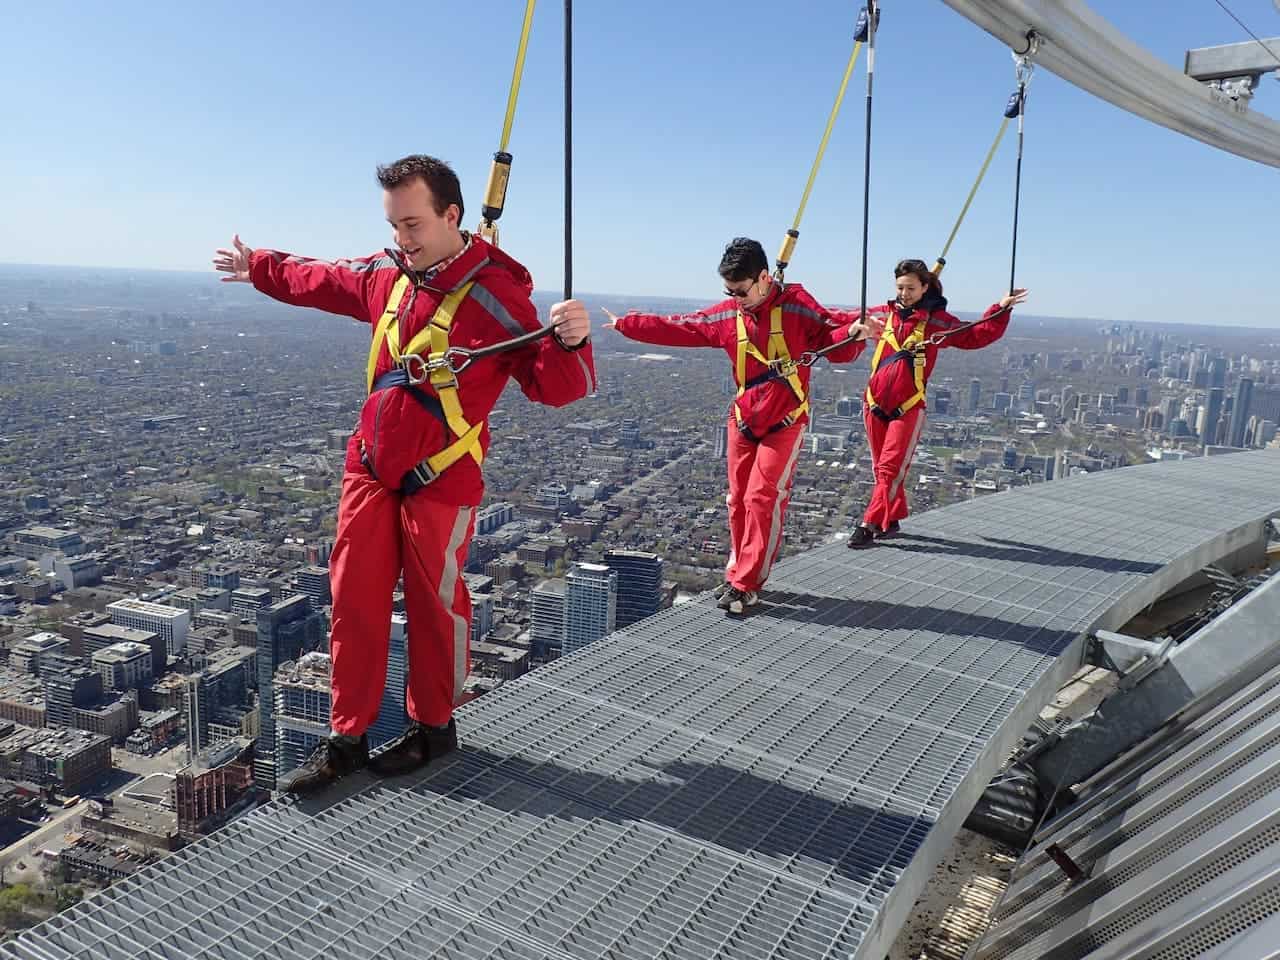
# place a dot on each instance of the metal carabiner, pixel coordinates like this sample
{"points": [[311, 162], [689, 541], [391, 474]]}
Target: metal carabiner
{"points": [[783, 368], [448, 357], [407, 361]]}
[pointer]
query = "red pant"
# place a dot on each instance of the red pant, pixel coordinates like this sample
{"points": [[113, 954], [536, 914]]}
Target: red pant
{"points": [[893, 444], [760, 476], [379, 532]]}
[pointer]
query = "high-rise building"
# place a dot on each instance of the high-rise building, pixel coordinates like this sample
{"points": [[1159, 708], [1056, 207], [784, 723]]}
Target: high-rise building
{"points": [[303, 699], [286, 630], [313, 583], [720, 445], [1240, 412], [392, 717], [124, 666], [975, 394], [171, 623], [1218, 372], [547, 630], [1264, 403], [590, 605], [223, 578], [495, 515], [67, 686], [247, 601], [101, 636], [1212, 413], [481, 615], [639, 584]]}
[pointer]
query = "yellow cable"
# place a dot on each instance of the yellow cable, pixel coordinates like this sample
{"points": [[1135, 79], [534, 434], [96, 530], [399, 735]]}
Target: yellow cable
{"points": [[831, 122], [516, 74], [937, 267]]}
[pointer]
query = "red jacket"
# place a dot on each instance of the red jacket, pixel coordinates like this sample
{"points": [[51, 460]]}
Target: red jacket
{"points": [[806, 325], [891, 383], [394, 430]]}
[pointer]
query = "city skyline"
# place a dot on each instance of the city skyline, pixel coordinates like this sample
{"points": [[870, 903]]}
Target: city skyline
{"points": [[1121, 219]]}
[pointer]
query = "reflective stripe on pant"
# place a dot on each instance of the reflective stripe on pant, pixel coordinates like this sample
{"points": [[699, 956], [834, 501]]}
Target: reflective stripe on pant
{"points": [[760, 476], [893, 444], [379, 532]]}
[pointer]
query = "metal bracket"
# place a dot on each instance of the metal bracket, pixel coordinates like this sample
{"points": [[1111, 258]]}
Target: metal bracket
{"points": [[1130, 657]]}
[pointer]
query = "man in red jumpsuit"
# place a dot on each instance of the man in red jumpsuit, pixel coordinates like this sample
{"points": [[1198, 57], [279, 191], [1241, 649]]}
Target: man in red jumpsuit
{"points": [[894, 404], [761, 321], [412, 477]]}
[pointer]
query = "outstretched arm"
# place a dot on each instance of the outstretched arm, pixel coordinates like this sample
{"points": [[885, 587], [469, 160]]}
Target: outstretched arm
{"points": [[703, 328], [337, 287], [994, 323], [847, 328]]}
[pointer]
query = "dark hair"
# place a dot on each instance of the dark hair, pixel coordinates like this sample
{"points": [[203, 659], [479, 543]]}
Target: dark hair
{"points": [[436, 174], [919, 270], [743, 260]]}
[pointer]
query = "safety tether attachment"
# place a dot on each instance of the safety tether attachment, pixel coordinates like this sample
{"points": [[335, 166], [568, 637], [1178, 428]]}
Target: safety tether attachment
{"points": [[442, 378], [779, 362], [792, 235], [495, 193], [1013, 109], [912, 346]]}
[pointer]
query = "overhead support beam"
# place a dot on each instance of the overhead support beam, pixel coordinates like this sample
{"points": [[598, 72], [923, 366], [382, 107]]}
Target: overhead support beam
{"points": [[1250, 58], [1086, 50]]}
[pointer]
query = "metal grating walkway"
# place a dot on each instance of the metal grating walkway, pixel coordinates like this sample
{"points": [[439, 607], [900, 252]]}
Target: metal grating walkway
{"points": [[696, 786]]}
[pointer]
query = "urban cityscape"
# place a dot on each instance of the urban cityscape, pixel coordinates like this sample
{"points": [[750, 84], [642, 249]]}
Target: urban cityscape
{"points": [[172, 449]]}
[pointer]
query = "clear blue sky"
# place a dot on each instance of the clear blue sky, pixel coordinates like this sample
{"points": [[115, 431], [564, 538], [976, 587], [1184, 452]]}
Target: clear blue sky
{"points": [[142, 135]]}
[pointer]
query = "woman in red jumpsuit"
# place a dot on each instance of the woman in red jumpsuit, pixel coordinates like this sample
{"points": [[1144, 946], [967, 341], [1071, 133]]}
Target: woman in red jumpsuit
{"points": [[894, 403]]}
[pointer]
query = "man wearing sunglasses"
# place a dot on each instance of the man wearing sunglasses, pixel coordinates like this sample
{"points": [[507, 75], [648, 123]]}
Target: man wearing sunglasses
{"points": [[764, 326]]}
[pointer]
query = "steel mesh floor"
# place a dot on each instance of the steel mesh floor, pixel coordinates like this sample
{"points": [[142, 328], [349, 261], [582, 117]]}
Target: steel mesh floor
{"points": [[697, 786]]}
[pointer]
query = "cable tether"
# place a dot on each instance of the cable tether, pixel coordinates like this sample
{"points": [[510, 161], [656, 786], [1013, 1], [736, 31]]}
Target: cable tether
{"points": [[495, 193]]}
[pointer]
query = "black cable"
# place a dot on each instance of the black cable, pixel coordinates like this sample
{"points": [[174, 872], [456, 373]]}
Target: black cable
{"points": [[568, 149], [872, 11], [1262, 43], [1017, 184]]}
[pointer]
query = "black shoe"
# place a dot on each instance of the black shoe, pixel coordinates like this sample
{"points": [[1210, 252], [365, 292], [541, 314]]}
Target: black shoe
{"points": [[892, 530], [333, 758], [415, 748], [863, 535]]}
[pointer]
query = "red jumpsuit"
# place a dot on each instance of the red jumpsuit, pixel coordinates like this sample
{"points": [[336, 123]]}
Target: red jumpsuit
{"points": [[893, 435], [763, 447], [426, 535]]}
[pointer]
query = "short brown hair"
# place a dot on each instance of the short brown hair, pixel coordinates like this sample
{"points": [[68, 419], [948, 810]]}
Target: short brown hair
{"points": [[436, 174]]}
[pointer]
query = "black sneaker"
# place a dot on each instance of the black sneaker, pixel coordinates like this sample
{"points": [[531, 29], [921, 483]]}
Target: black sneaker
{"points": [[333, 758], [721, 589], [415, 748], [892, 530], [863, 535]]}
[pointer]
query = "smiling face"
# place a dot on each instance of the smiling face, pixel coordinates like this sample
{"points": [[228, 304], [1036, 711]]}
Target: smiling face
{"points": [[910, 290], [425, 236]]}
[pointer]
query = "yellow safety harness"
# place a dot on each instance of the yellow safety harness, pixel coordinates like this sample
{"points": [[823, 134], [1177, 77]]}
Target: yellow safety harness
{"points": [[779, 362], [442, 377], [913, 344]]}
